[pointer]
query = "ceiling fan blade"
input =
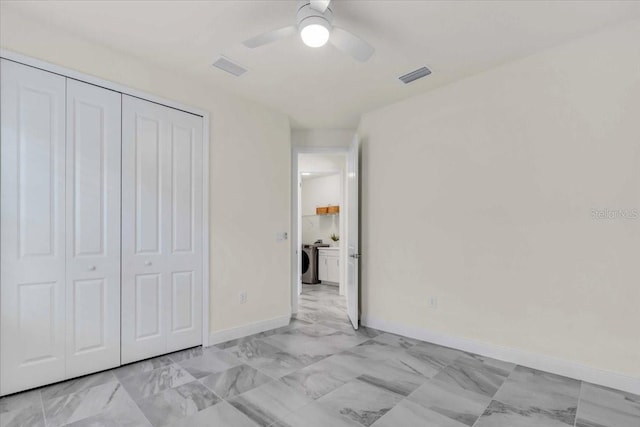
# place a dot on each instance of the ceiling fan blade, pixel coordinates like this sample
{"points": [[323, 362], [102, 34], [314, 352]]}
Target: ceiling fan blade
{"points": [[270, 37], [351, 44], [319, 5]]}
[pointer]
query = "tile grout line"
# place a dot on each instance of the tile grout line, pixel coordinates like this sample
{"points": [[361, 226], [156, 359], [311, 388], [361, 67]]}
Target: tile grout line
{"points": [[494, 394], [250, 363], [44, 415], [575, 421], [212, 391], [280, 381], [239, 394], [132, 400], [399, 347], [518, 407], [463, 353], [444, 367], [135, 402]]}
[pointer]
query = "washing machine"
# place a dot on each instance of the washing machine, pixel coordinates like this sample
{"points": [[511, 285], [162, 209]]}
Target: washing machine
{"points": [[310, 263]]}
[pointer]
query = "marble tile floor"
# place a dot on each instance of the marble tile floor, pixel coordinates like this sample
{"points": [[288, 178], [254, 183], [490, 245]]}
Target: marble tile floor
{"points": [[319, 372]]}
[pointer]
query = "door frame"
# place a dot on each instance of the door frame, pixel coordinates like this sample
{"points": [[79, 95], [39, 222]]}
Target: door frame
{"points": [[206, 141], [296, 223]]}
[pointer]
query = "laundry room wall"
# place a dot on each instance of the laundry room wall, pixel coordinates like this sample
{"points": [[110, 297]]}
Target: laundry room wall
{"points": [[317, 192]]}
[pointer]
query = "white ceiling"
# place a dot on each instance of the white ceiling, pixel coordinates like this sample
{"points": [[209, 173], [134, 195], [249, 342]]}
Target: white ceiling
{"points": [[323, 88]]}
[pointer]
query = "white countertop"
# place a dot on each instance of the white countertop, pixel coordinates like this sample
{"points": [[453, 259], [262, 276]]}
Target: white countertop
{"points": [[330, 248]]}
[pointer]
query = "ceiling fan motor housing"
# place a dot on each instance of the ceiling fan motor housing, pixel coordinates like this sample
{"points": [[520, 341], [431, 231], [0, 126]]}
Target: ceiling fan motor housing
{"points": [[308, 16], [314, 23]]}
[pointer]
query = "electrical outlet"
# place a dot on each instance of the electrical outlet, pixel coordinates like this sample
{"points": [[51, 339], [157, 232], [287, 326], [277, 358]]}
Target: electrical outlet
{"points": [[243, 297], [433, 302]]}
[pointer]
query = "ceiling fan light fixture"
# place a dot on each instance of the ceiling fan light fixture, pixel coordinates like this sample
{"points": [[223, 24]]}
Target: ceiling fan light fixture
{"points": [[314, 23], [314, 31]]}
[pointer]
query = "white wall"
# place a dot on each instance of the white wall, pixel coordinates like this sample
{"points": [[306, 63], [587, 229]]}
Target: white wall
{"points": [[482, 192], [315, 192], [322, 137], [320, 227], [319, 192], [250, 160], [320, 162]]}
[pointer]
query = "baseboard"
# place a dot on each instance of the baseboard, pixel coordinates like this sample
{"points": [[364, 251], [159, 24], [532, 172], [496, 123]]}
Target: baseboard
{"points": [[544, 363], [224, 335]]}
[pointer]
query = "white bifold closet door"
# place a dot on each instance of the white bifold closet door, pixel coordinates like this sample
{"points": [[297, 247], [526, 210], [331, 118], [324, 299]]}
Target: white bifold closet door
{"points": [[60, 231], [93, 228], [33, 224], [161, 229]]}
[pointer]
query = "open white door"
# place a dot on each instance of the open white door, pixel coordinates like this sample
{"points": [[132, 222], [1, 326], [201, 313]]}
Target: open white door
{"points": [[353, 245], [299, 239]]}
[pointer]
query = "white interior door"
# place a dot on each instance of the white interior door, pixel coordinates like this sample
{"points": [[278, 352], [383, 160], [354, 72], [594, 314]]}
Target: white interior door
{"points": [[161, 229], [353, 226], [299, 243], [32, 277], [93, 228]]}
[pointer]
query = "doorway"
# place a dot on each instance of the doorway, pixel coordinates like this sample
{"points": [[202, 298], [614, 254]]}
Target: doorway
{"points": [[321, 182]]}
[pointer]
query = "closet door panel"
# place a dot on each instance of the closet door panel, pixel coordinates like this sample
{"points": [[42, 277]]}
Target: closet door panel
{"points": [[183, 169], [149, 300], [145, 201], [148, 180], [162, 230], [32, 263], [185, 251], [93, 228]]}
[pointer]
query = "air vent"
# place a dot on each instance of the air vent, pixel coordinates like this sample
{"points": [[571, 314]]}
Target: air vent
{"points": [[225, 64], [415, 75]]}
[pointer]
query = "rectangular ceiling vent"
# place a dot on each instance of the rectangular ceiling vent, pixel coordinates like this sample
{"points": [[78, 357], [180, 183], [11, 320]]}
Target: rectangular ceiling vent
{"points": [[225, 64], [415, 75]]}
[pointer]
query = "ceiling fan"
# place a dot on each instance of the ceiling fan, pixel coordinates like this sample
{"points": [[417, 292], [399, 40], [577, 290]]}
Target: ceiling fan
{"points": [[314, 21]]}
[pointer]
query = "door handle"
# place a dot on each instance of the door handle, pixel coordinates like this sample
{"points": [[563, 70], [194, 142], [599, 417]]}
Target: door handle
{"points": [[147, 263], [355, 256], [92, 268]]}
